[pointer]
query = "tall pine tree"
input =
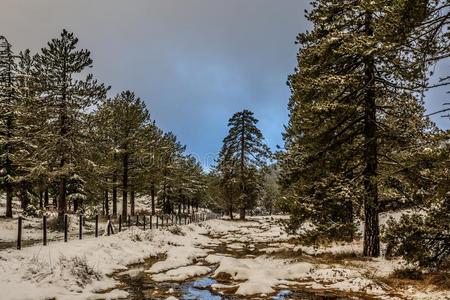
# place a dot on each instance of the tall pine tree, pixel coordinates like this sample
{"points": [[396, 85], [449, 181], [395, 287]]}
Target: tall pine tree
{"points": [[242, 153], [65, 101], [354, 113], [8, 113]]}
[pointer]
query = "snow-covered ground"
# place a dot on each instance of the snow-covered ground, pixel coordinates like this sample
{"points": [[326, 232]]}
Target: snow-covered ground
{"points": [[255, 259]]}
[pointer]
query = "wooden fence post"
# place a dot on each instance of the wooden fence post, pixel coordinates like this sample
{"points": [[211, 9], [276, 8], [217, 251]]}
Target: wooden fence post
{"points": [[137, 220], [129, 221], [65, 228], [96, 225], [19, 234], [151, 220], [44, 228], [157, 217], [120, 223], [144, 221]]}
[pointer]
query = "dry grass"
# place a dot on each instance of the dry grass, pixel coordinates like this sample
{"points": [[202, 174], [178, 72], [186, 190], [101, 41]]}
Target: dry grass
{"points": [[407, 277]]}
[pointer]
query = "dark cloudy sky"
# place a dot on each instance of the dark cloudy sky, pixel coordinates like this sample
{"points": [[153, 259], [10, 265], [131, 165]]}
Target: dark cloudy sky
{"points": [[194, 62]]}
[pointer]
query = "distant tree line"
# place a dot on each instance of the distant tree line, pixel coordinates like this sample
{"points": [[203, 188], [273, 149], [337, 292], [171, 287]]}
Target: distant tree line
{"points": [[65, 144]]}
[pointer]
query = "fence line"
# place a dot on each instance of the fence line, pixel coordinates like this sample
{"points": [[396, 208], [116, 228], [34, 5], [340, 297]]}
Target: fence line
{"points": [[170, 220]]}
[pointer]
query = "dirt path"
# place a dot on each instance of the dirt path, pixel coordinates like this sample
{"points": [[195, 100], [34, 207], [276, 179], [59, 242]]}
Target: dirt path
{"points": [[236, 244]]}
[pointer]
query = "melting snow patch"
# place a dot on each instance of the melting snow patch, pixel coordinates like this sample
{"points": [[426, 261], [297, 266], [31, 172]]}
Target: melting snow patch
{"points": [[181, 273]]}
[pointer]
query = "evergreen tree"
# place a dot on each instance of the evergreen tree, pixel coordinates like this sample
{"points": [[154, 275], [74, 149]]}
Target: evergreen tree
{"points": [[354, 114], [171, 173], [8, 105], [16, 139], [154, 151], [270, 189], [31, 172], [125, 119], [65, 102], [36, 171], [242, 153], [422, 236]]}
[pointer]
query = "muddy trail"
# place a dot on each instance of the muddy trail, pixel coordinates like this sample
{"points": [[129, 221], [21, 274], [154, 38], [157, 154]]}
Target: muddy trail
{"points": [[139, 284]]}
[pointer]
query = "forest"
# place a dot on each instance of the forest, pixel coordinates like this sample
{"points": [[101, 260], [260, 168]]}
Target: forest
{"points": [[362, 165]]}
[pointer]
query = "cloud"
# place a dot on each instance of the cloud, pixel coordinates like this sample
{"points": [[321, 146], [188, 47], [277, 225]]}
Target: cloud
{"points": [[194, 62]]}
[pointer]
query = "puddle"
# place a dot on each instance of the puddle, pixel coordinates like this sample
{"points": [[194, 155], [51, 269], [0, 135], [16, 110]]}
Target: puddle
{"points": [[140, 286], [199, 290]]}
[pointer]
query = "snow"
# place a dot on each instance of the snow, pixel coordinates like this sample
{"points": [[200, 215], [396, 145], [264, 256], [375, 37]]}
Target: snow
{"points": [[178, 257], [182, 273], [40, 272], [73, 270], [261, 274], [254, 261]]}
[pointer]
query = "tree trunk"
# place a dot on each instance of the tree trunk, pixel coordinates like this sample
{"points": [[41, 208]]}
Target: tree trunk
{"points": [[41, 200], [24, 199], [132, 198], [125, 186], [371, 222], [9, 197], [114, 194], [242, 213], [152, 191], [46, 198], [164, 197], [242, 167], [62, 204], [106, 203], [63, 130], [9, 131]]}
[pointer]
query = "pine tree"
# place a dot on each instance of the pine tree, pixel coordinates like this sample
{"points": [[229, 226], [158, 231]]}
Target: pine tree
{"points": [[153, 149], [171, 173], [125, 118], [8, 103], [30, 172], [270, 189], [242, 153], [189, 186], [354, 114], [16, 143], [225, 180], [422, 236], [65, 101]]}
